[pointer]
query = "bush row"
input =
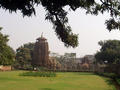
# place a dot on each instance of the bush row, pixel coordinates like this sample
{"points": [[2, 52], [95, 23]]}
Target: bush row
{"points": [[39, 74]]}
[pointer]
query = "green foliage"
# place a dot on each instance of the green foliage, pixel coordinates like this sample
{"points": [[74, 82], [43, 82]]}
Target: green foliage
{"points": [[39, 74], [7, 54], [57, 14], [24, 56], [109, 52], [110, 75], [118, 80]]}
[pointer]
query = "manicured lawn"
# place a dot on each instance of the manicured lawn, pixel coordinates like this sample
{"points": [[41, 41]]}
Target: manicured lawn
{"points": [[63, 81]]}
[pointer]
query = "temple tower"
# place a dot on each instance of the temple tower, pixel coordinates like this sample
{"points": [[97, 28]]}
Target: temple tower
{"points": [[41, 53]]}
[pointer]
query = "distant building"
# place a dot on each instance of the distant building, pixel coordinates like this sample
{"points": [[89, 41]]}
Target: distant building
{"points": [[89, 59], [86, 59], [78, 60], [85, 63]]}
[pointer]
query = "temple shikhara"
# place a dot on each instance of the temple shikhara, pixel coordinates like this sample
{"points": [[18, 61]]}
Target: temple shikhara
{"points": [[41, 52], [41, 55]]}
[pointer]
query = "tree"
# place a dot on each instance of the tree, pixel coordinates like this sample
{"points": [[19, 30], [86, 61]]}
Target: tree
{"points": [[24, 56], [57, 14], [7, 54], [109, 52]]}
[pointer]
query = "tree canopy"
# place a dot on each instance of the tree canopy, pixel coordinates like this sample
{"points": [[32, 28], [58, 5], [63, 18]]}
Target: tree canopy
{"points": [[7, 54], [109, 52], [24, 56], [57, 14]]}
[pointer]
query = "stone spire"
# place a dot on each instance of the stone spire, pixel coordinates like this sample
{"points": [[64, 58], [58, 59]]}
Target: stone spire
{"points": [[40, 52]]}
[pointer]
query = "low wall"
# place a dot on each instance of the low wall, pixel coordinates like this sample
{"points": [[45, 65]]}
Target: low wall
{"points": [[5, 68]]}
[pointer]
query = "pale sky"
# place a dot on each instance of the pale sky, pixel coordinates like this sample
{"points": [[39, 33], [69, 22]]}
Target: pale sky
{"points": [[91, 30]]}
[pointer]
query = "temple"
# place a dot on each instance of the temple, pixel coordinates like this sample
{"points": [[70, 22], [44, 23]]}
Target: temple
{"points": [[41, 52], [41, 57]]}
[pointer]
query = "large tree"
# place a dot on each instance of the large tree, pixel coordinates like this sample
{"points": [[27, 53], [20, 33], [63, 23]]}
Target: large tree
{"points": [[24, 56], [109, 52], [7, 54], [57, 14]]}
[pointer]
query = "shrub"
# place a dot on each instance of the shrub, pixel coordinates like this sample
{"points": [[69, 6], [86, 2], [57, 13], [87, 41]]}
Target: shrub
{"points": [[118, 80], [39, 74], [110, 75]]}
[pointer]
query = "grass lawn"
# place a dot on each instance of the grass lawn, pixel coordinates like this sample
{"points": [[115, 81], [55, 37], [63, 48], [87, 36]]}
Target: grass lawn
{"points": [[63, 81]]}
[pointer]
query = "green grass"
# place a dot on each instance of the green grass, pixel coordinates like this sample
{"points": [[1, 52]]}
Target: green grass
{"points": [[63, 81]]}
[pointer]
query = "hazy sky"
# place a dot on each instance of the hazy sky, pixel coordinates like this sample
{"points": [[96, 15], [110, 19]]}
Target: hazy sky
{"points": [[91, 29]]}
